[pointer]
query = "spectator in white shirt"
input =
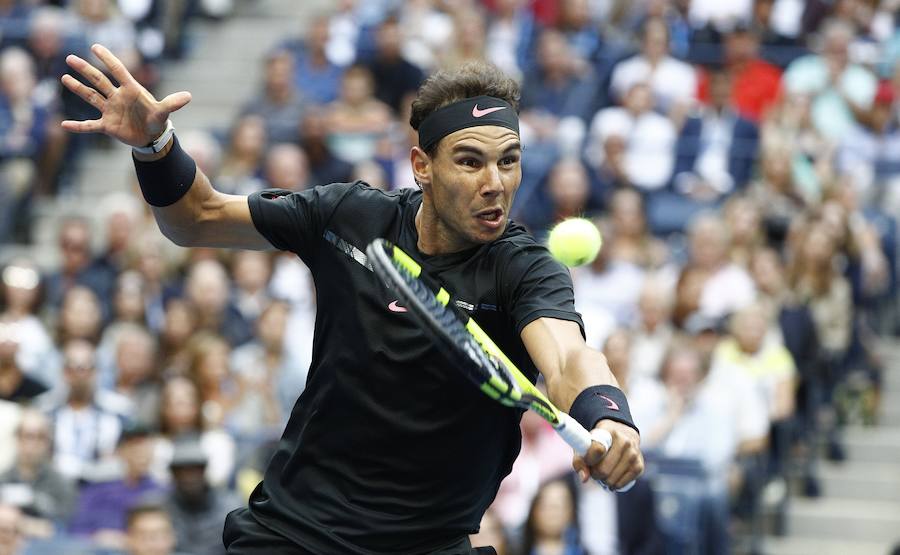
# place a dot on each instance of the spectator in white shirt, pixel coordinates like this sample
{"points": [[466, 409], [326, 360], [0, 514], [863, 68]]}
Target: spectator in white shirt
{"points": [[727, 287], [649, 139], [673, 82]]}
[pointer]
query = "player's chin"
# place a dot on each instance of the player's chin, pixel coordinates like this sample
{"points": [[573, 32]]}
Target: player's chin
{"points": [[488, 230]]}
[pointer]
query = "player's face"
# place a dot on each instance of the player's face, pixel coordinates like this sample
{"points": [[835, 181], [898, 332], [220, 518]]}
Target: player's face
{"points": [[474, 175]]}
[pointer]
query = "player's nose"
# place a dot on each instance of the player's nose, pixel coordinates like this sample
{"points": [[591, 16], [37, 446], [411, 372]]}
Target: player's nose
{"points": [[492, 184]]}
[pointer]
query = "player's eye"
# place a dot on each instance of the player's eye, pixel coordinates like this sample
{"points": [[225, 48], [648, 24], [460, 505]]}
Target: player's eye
{"points": [[509, 160], [469, 162]]}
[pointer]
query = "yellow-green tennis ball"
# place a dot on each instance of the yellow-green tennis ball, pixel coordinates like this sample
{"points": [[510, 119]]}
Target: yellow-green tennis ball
{"points": [[575, 242]]}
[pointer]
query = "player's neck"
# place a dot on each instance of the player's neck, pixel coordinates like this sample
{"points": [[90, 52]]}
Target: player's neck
{"points": [[434, 236]]}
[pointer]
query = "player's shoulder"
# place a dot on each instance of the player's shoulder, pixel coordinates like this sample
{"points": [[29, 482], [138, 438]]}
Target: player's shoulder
{"points": [[517, 239]]}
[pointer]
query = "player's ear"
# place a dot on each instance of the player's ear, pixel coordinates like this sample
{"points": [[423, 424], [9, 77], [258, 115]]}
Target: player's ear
{"points": [[421, 166]]}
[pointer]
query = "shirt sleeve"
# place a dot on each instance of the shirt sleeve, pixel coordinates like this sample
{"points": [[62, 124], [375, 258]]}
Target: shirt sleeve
{"points": [[294, 221], [534, 285]]}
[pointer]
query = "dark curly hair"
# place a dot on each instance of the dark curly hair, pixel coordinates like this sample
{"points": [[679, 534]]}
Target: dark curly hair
{"points": [[466, 81]]}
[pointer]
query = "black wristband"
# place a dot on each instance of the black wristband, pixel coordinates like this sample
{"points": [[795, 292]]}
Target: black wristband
{"points": [[164, 181], [598, 402]]}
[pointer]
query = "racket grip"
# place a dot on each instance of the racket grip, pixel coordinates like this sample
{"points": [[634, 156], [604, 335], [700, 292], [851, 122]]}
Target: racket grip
{"points": [[580, 440]]}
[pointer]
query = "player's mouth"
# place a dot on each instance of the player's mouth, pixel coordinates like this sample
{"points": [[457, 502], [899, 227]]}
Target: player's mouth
{"points": [[491, 218]]}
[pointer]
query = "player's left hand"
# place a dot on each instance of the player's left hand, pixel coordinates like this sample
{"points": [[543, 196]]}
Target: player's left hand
{"points": [[616, 468]]}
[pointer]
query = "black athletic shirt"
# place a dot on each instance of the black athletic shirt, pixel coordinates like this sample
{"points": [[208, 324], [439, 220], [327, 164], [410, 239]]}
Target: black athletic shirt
{"points": [[389, 449]]}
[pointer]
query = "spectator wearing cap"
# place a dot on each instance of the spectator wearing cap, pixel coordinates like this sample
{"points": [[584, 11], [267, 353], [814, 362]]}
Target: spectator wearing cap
{"points": [[197, 509], [32, 483], [149, 531], [672, 82], [103, 507], [85, 420], [839, 89], [15, 385]]}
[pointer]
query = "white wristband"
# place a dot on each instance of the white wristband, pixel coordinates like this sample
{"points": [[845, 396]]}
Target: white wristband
{"points": [[160, 143]]}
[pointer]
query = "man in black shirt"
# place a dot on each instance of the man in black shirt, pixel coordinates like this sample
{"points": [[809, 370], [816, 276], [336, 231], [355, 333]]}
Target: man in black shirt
{"points": [[389, 449]]}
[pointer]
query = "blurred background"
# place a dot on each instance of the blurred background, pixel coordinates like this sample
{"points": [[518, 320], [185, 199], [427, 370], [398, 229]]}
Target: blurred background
{"points": [[741, 157]]}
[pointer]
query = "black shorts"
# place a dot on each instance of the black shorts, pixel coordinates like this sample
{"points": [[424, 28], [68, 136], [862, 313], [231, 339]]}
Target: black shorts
{"points": [[244, 535]]}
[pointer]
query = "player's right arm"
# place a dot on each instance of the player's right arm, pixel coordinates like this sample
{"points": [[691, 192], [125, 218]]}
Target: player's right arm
{"points": [[203, 217]]}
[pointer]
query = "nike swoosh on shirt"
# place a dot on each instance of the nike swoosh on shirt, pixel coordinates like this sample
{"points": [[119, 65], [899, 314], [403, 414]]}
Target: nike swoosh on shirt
{"points": [[478, 113], [612, 404], [394, 307]]}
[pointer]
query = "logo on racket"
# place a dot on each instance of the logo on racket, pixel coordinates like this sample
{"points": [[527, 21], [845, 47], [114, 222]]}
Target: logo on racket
{"points": [[394, 307]]}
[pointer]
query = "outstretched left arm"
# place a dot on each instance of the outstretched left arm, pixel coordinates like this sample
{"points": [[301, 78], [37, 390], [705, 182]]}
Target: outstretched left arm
{"points": [[569, 367]]}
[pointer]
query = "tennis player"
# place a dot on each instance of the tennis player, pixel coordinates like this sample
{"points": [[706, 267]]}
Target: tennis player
{"points": [[389, 449]]}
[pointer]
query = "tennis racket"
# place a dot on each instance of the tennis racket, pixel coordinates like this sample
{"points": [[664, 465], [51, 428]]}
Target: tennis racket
{"points": [[471, 350]]}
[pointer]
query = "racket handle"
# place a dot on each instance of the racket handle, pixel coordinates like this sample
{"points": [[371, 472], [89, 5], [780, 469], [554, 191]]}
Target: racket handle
{"points": [[580, 440]]}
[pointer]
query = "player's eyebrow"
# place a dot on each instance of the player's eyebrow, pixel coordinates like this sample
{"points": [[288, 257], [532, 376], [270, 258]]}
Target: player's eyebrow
{"points": [[457, 149]]}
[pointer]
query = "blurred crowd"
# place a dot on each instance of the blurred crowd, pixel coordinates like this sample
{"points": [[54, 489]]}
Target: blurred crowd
{"points": [[741, 158]]}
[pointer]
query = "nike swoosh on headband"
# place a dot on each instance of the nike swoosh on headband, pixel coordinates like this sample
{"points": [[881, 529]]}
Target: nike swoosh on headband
{"points": [[478, 113]]}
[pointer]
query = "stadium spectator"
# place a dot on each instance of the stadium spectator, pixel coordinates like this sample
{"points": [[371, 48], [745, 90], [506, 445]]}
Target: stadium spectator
{"points": [[744, 223], [149, 531], [316, 76], [74, 243], [279, 103], [726, 286], [356, 121], [672, 82], [103, 506], [181, 418], [558, 94], [136, 374], [80, 317], [632, 241], [607, 292], [574, 21], [754, 84], [647, 140], [42, 493], [565, 194], [244, 154], [15, 384], [197, 509], [24, 125], [269, 378], [839, 88], [470, 44], [85, 422], [776, 191], [393, 77], [180, 323], [552, 525], [20, 300], [427, 30], [207, 291], [509, 37], [653, 331], [870, 153], [646, 391], [101, 22], [716, 148], [324, 166], [286, 167]]}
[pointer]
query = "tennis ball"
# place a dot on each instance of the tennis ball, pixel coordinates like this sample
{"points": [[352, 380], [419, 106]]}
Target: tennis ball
{"points": [[575, 242]]}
